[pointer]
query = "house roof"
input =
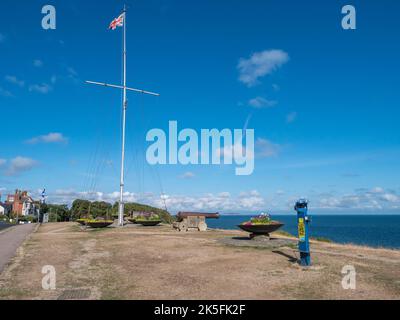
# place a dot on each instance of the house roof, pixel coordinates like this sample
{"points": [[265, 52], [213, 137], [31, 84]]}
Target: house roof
{"points": [[22, 196], [6, 205]]}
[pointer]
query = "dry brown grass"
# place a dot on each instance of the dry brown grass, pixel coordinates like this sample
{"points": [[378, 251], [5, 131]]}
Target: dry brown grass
{"points": [[159, 263]]}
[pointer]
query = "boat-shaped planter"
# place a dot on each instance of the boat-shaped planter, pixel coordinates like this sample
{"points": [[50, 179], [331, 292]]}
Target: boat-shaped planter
{"points": [[99, 224], [148, 223], [132, 220], [261, 229], [82, 222]]}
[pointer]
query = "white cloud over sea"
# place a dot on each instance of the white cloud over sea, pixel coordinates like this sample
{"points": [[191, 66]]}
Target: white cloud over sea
{"points": [[373, 200]]}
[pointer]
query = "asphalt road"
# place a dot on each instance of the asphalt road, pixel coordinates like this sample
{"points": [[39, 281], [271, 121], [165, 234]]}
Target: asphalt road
{"points": [[10, 240], [4, 226]]}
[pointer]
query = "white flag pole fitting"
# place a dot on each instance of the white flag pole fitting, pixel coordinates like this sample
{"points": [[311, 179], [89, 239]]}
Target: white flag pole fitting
{"points": [[121, 87], [124, 108]]}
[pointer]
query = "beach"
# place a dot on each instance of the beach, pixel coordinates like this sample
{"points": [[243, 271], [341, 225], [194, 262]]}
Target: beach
{"points": [[159, 263]]}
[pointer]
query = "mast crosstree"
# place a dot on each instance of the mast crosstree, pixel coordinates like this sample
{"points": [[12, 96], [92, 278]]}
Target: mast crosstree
{"points": [[114, 24]]}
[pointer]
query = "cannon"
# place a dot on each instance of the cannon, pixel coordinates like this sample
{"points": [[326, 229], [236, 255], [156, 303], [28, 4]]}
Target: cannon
{"points": [[193, 221]]}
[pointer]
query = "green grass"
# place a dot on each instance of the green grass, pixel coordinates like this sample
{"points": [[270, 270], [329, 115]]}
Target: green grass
{"points": [[284, 233], [322, 239]]}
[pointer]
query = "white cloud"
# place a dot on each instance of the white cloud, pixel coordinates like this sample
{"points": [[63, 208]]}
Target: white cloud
{"points": [[19, 165], [53, 137], [223, 201], [259, 65], [291, 117], [260, 102], [229, 152], [15, 80], [266, 149], [251, 200], [377, 190], [187, 175], [2, 162], [247, 201], [43, 88], [37, 63], [362, 199], [263, 149], [390, 197]]}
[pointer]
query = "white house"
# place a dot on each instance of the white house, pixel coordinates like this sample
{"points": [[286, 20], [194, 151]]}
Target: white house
{"points": [[29, 208]]}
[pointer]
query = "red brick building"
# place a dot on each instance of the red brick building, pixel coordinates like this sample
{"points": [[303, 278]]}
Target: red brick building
{"points": [[22, 203]]}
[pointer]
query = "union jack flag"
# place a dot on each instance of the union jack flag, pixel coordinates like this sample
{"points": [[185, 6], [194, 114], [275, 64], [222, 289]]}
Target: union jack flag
{"points": [[117, 22]]}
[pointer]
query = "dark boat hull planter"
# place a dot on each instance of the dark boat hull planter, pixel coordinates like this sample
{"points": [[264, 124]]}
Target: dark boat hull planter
{"points": [[148, 223], [99, 224], [261, 229]]}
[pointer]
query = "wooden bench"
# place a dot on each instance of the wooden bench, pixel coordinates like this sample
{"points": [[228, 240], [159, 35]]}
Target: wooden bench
{"points": [[187, 221]]}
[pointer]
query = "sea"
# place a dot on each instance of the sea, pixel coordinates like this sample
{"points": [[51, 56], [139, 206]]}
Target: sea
{"points": [[370, 230]]}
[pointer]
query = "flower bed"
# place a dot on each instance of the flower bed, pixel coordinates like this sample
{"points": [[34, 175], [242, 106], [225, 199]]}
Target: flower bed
{"points": [[261, 225], [263, 219]]}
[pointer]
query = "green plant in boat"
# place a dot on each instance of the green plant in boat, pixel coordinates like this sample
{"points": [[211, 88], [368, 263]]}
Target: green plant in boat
{"points": [[259, 220], [99, 221], [152, 217], [82, 221]]}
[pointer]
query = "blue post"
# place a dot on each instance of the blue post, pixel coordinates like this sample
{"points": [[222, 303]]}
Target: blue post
{"points": [[302, 222]]}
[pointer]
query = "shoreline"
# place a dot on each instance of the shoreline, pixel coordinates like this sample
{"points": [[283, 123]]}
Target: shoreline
{"points": [[367, 230], [285, 235]]}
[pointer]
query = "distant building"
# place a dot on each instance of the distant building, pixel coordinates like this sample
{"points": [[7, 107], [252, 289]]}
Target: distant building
{"points": [[22, 204], [5, 209]]}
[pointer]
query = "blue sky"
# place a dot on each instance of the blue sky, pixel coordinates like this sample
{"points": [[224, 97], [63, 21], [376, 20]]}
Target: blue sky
{"points": [[325, 113]]}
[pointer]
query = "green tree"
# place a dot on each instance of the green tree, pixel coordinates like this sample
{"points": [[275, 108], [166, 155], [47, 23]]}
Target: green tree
{"points": [[131, 207], [80, 209], [100, 209], [58, 213]]}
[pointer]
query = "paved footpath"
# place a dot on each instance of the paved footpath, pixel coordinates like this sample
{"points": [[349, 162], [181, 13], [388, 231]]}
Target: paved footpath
{"points": [[11, 239]]}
